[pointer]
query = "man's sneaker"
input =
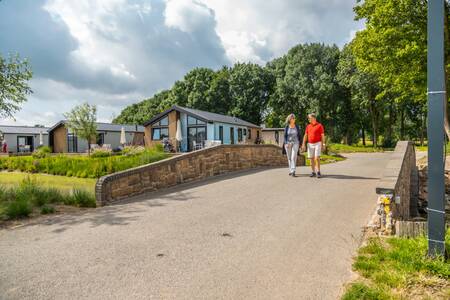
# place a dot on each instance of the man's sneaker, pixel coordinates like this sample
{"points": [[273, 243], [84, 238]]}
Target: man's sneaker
{"points": [[313, 174], [319, 175], [293, 174]]}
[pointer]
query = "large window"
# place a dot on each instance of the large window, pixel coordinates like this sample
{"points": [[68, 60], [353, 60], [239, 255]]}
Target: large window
{"points": [[72, 143], [196, 137], [100, 138], [160, 129], [25, 144], [249, 133], [160, 133]]}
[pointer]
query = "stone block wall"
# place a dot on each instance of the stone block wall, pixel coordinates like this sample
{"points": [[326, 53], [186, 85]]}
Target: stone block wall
{"points": [[400, 180], [186, 168]]}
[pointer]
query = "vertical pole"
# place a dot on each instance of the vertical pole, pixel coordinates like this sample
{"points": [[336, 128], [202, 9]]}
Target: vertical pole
{"points": [[436, 98]]}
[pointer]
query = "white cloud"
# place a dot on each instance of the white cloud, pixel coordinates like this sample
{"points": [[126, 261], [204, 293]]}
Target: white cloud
{"points": [[116, 52], [188, 15]]}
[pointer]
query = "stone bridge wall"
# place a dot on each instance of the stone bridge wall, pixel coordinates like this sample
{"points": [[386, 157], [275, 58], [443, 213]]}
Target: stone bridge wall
{"points": [[400, 179], [188, 167]]}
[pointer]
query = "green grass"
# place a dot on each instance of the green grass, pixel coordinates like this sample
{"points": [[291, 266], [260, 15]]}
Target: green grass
{"points": [[424, 148], [61, 183], [398, 268], [326, 159], [342, 148], [80, 166], [29, 196]]}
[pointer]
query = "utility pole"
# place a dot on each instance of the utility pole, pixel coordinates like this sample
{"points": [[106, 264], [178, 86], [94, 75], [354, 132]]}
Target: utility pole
{"points": [[436, 97]]}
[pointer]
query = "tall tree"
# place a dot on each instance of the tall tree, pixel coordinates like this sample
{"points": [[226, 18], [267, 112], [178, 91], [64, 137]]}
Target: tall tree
{"points": [[82, 121], [363, 89], [393, 47], [250, 88], [14, 76]]}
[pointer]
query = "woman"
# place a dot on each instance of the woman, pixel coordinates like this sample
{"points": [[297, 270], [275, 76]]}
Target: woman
{"points": [[291, 144]]}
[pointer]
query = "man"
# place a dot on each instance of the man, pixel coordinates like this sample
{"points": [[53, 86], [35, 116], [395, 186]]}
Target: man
{"points": [[316, 141]]}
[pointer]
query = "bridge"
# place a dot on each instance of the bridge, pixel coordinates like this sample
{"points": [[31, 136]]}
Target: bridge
{"points": [[257, 234]]}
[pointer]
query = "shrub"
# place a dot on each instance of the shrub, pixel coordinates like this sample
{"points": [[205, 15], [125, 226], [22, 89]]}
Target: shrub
{"points": [[47, 209], [100, 153], [133, 150], [82, 198], [41, 152], [18, 208]]}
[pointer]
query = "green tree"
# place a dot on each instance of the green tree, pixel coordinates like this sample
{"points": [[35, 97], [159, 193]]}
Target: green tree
{"points": [[14, 76], [250, 88], [81, 120], [363, 88], [141, 112], [305, 81], [393, 47]]}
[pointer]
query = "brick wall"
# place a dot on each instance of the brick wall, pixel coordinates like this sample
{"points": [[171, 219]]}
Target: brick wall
{"points": [[186, 168]]}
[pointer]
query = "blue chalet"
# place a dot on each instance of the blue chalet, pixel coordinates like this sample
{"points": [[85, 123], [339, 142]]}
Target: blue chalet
{"points": [[196, 129]]}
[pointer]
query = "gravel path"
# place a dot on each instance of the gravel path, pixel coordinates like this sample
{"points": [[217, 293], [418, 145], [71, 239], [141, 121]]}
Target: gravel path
{"points": [[252, 235]]}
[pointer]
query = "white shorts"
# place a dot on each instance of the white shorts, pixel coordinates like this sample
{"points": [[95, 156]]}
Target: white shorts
{"points": [[314, 150]]}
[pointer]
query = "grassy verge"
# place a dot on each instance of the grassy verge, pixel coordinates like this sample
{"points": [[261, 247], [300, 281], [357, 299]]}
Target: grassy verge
{"points": [[326, 159], [77, 166], [425, 148], [342, 148], [397, 268], [61, 183], [30, 198]]}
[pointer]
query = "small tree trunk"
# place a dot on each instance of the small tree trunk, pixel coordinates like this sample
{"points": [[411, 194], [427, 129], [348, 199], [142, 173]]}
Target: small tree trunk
{"points": [[373, 115], [363, 136]]}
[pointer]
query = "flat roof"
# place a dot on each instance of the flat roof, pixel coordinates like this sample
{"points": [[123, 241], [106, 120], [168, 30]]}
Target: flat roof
{"points": [[12, 129], [107, 127]]}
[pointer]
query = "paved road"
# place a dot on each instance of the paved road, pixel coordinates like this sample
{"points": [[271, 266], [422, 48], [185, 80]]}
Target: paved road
{"points": [[254, 235]]}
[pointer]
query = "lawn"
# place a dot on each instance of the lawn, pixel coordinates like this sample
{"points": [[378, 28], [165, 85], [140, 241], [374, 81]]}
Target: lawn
{"points": [[22, 196], [62, 183], [398, 268], [326, 159], [342, 148], [424, 148]]}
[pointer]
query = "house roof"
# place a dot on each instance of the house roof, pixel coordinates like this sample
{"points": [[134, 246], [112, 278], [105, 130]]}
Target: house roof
{"points": [[204, 116], [22, 129], [108, 127]]}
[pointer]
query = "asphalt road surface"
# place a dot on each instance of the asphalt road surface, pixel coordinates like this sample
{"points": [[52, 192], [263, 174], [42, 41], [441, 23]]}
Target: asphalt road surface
{"points": [[254, 235]]}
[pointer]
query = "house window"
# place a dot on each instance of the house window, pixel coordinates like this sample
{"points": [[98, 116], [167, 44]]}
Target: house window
{"points": [[100, 138], [25, 144], [249, 133], [221, 134], [239, 134], [72, 143], [196, 137], [162, 122], [160, 133], [277, 137], [257, 134], [160, 129], [245, 131], [194, 121]]}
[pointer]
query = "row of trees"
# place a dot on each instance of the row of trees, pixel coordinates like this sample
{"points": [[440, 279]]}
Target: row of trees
{"points": [[375, 86]]}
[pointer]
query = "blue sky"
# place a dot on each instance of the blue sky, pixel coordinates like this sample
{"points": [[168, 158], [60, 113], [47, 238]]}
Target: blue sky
{"points": [[116, 52]]}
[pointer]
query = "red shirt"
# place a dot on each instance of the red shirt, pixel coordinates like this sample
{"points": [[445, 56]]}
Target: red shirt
{"points": [[314, 132]]}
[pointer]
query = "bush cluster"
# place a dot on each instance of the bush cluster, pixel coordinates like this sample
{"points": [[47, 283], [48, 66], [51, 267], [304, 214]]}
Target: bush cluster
{"points": [[21, 201], [41, 152], [80, 166]]}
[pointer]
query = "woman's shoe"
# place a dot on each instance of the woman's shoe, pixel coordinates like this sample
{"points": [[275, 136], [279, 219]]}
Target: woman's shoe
{"points": [[313, 174], [293, 174]]}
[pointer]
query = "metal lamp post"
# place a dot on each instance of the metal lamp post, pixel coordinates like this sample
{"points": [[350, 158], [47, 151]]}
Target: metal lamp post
{"points": [[436, 97]]}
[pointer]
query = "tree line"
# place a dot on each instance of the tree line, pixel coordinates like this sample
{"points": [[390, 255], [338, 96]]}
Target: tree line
{"points": [[374, 87]]}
